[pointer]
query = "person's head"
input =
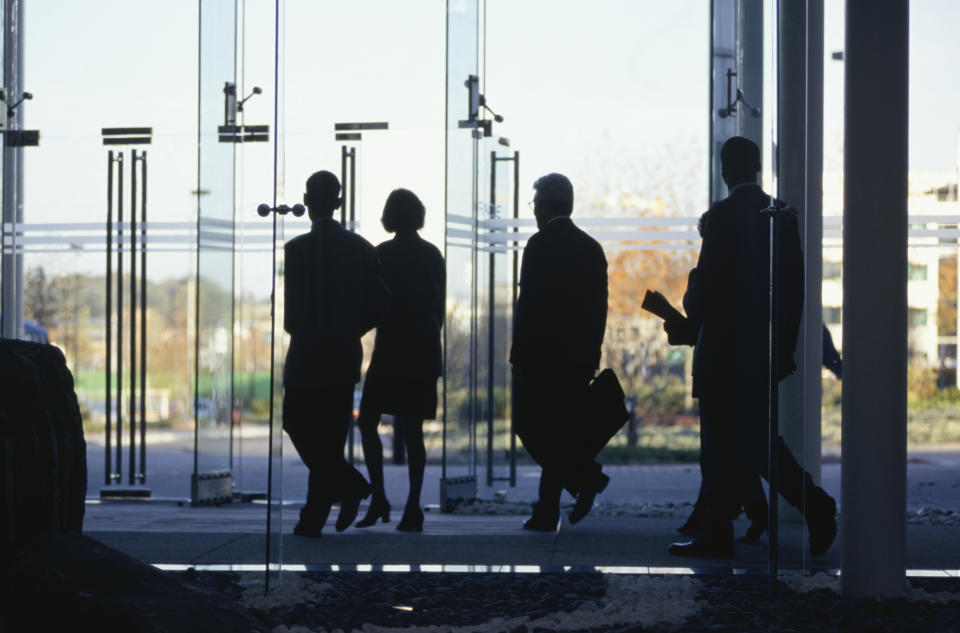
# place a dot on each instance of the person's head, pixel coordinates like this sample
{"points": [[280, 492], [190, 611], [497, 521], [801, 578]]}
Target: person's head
{"points": [[322, 196], [553, 198], [739, 161], [402, 212]]}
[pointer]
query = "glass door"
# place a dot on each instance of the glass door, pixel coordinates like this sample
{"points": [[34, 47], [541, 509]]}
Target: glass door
{"points": [[212, 480], [460, 379]]}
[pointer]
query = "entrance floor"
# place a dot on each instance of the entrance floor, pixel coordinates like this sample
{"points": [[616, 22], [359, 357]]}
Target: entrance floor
{"points": [[632, 526]]}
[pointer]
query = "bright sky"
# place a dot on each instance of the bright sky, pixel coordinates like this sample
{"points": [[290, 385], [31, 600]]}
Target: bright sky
{"points": [[610, 92]]}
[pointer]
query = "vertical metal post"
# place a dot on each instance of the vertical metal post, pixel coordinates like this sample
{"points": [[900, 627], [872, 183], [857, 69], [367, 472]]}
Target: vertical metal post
{"points": [[343, 184], [11, 287], [353, 187], [132, 469], [773, 401], [491, 314], [352, 227], [142, 473], [107, 466], [119, 446], [474, 261], [513, 312]]}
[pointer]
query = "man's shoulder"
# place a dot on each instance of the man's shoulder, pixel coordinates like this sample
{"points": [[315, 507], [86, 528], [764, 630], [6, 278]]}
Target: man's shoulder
{"points": [[298, 242], [589, 244]]}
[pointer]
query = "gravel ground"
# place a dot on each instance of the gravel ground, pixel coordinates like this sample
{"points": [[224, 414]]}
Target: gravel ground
{"points": [[332, 602]]}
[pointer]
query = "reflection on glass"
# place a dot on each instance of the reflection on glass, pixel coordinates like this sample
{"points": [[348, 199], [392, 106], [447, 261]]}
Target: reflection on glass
{"points": [[215, 243], [460, 354]]}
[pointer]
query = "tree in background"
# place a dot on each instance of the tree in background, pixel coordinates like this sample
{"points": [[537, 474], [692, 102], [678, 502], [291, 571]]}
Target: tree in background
{"points": [[39, 298]]}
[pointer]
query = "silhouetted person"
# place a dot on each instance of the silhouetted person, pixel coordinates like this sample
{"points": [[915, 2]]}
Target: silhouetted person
{"points": [[728, 295], [752, 497], [407, 358], [333, 294], [558, 331]]}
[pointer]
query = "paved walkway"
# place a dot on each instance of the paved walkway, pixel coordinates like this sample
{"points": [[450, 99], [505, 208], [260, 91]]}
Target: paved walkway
{"points": [[167, 530], [933, 475], [163, 532]]}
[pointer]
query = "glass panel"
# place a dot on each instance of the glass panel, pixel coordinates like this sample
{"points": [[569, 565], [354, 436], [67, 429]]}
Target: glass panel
{"points": [[460, 406], [65, 256], [254, 244], [933, 398], [279, 337], [213, 404]]}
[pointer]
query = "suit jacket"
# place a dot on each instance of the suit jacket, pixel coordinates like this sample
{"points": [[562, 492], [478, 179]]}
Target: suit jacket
{"points": [[408, 337], [561, 311], [333, 295], [729, 294]]}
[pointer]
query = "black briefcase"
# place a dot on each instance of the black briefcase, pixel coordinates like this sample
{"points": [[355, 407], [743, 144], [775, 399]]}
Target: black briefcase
{"points": [[605, 410]]}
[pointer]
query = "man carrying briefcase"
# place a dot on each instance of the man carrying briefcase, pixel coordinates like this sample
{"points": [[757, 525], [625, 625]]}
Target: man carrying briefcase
{"points": [[557, 337]]}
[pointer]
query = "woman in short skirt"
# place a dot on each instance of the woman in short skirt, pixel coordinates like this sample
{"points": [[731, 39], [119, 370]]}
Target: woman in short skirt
{"points": [[407, 357]]}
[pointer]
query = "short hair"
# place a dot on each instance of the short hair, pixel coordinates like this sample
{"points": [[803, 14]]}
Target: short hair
{"points": [[556, 191], [402, 212], [740, 156], [323, 191]]}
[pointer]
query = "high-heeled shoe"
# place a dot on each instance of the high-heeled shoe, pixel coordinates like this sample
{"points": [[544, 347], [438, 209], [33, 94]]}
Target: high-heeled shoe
{"points": [[757, 527], [412, 520], [379, 510]]}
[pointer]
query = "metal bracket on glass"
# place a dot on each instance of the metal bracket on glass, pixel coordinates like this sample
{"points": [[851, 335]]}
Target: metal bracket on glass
{"points": [[475, 101], [243, 133], [127, 135], [265, 209], [351, 131], [230, 104], [732, 102], [778, 208], [16, 138]]}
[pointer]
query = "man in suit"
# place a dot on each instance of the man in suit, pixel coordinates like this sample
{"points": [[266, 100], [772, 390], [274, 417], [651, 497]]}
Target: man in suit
{"points": [[558, 331], [333, 295], [728, 294]]}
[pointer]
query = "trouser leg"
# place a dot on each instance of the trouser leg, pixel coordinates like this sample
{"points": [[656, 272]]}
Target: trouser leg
{"points": [[342, 480], [721, 467], [548, 493], [752, 497], [793, 480], [303, 431]]}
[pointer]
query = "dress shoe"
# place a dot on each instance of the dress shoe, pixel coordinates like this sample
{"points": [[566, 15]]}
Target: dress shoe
{"points": [[379, 510], [757, 527], [312, 519], [349, 508], [539, 523], [707, 545], [412, 520], [585, 500], [304, 528], [821, 522]]}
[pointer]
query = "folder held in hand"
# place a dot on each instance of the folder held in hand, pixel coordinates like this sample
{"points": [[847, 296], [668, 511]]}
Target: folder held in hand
{"points": [[655, 303]]}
